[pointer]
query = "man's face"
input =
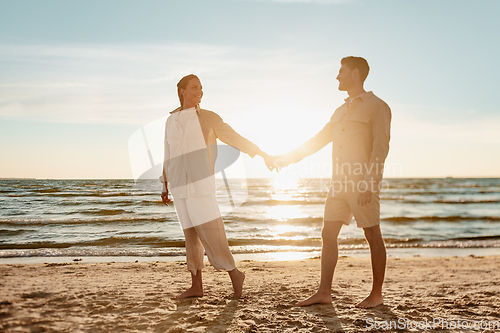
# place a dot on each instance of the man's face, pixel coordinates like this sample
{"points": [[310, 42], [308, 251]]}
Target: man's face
{"points": [[346, 78], [193, 93]]}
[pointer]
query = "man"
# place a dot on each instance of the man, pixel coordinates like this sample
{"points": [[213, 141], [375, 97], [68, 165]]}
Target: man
{"points": [[360, 132]]}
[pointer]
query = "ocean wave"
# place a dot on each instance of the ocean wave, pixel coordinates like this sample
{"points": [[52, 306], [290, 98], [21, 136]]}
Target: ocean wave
{"points": [[401, 199], [477, 238], [272, 202], [108, 241], [120, 203], [441, 218], [265, 220], [90, 251], [59, 194], [431, 193], [48, 190], [154, 241], [467, 201], [452, 244], [107, 219], [10, 233], [103, 212]]}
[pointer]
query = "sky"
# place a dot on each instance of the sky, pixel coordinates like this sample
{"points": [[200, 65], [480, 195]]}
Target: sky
{"points": [[79, 79]]}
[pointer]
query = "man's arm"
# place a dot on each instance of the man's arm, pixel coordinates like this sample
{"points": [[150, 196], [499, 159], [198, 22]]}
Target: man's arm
{"points": [[381, 131], [310, 147]]}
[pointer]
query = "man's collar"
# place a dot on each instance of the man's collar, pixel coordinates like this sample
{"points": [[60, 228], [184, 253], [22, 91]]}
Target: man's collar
{"points": [[179, 109], [364, 96]]}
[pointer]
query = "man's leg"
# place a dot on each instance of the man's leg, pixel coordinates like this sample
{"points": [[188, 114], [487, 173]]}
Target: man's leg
{"points": [[329, 257], [378, 257]]}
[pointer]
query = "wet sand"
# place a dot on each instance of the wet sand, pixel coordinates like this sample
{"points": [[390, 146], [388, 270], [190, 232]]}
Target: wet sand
{"points": [[136, 297]]}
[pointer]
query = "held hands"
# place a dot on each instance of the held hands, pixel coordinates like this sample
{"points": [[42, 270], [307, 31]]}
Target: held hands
{"points": [[270, 162], [268, 159], [281, 161], [275, 162]]}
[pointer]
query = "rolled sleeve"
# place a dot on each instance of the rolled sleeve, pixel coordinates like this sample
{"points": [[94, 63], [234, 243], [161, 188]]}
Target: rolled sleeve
{"points": [[313, 145]]}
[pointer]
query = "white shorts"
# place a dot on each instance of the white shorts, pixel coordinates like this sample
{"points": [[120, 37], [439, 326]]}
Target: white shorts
{"points": [[194, 211]]}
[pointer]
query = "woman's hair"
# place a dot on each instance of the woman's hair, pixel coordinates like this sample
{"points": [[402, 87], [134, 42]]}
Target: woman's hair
{"points": [[183, 84]]}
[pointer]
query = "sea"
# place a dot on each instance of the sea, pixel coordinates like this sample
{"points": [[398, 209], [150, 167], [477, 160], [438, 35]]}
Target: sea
{"points": [[265, 219]]}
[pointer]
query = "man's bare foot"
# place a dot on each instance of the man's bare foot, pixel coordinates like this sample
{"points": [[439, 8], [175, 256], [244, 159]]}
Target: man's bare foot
{"points": [[191, 292], [318, 298], [237, 278], [371, 301]]}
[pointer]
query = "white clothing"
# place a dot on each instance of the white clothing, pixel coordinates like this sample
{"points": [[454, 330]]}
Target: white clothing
{"points": [[192, 149], [183, 116], [194, 211], [209, 237], [186, 151]]}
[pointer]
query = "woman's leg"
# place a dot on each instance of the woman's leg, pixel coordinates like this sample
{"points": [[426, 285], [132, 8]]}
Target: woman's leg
{"points": [[194, 252], [213, 237], [237, 279], [194, 259]]}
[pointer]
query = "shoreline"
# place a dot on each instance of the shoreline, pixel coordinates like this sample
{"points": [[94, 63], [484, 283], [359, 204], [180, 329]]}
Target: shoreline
{"points": [[267, 256], [136, 297]]}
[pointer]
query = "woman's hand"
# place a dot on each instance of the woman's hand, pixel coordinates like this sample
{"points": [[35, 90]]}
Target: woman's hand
{"points": [[164, 197]]}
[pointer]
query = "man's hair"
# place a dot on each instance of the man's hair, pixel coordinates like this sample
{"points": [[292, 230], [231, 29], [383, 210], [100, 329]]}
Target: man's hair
{"points": [[183, 84], [357, 62]]}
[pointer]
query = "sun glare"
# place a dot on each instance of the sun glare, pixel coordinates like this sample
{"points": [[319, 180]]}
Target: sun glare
{"points": [[284, 188], [284, 213], [279, 231], [285, 183]]}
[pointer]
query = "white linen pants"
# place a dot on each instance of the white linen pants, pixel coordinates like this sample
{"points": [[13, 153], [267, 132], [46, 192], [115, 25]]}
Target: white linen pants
{"points": [[209, 236]]}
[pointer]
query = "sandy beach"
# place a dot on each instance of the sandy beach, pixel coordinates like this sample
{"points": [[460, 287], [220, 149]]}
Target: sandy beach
{"points": [[136, 297]]}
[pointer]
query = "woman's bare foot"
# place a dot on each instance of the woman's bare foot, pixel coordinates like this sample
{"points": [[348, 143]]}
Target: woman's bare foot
{"points": [[371, 301], [237, 278], [196, 289], [319, 297], [191, 292]]}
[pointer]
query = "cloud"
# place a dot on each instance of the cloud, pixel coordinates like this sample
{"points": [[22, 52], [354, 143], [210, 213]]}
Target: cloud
{"points": [[92, 83], [135, 83]]}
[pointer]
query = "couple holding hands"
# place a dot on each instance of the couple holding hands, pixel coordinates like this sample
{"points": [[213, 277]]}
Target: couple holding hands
{"points": [[360, 132]]}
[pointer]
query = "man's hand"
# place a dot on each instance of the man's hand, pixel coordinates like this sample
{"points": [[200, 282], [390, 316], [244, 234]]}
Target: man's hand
{"points": [[364, 197], [164, 197]]}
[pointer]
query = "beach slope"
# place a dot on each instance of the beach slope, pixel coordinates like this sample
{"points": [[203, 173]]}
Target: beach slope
{"points": [[136, 297]]}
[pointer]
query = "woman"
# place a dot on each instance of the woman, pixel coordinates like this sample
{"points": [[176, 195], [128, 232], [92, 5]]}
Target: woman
{"points": [[191, 137]]}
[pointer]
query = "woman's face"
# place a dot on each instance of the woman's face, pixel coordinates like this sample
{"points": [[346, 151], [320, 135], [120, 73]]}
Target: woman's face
{"points": [[192, 94]]}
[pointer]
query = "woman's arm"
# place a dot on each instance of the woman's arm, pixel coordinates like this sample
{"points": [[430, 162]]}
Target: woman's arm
{"points": [[163, 178]]}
